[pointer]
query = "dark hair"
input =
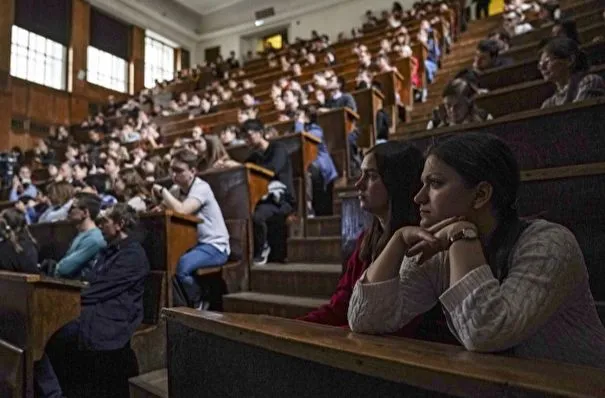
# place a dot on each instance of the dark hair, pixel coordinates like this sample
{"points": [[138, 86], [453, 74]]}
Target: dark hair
{"points": [[101, 182], [134, 184], [252, 125], [188, 157], [311, 113], [569, 29], [13, 226], [122, 213], [565, 48], [459, 88], [481, 157], [400, 166], [489, 46], [89, 201]]}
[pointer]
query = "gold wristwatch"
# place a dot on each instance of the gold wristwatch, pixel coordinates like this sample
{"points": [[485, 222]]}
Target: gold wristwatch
{"points": [[464, 233]]}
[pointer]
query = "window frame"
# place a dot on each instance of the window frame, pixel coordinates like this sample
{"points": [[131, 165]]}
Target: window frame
{"points": [[38, 59], [159, 61], [106, 70]]}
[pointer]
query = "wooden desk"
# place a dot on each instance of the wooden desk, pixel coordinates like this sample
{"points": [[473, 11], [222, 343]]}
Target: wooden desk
{"points": [[32, 308], [303, 150], [369, 101], [336, 124], [528, 71], [521, 97], [582, 19], [205, 349], [165, 236]]}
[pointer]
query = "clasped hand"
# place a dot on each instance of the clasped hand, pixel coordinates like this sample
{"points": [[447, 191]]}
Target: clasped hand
{"points": [[429, 241]]}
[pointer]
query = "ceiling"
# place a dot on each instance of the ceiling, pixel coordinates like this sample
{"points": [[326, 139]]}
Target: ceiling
{"points": [[204, 7]]}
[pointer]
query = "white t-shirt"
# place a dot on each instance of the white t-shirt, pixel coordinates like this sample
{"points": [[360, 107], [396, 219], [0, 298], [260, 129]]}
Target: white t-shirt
{"points": [[212, 230]]}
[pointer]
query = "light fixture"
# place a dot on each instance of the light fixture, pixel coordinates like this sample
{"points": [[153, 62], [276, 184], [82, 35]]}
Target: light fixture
{"points": [[259, 22]]}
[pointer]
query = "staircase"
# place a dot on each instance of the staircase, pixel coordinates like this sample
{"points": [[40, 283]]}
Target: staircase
{"points": [[304, 283], [309, 278]]}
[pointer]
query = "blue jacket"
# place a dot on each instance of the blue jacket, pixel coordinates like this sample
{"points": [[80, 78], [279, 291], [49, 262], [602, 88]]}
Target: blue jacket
{"points": [[112, 306], [324, 161]]}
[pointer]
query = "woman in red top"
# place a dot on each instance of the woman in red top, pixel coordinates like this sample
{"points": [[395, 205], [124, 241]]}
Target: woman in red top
{"points": [[390, 177]]}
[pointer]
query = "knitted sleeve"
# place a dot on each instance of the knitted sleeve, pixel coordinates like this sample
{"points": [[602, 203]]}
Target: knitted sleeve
{"points": [[385, 307], [546, 265]]}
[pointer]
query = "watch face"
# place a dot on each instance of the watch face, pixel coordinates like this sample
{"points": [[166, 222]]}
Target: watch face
{"points": [[470, 233]]}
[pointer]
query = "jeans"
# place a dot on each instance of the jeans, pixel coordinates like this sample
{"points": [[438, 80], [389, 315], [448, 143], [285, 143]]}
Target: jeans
{"points": [[431, 70], [201, 256]]}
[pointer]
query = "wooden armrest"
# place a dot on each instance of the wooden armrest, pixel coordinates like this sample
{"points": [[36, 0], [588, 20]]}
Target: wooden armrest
{"points": [[311, 137], [260, 170]]}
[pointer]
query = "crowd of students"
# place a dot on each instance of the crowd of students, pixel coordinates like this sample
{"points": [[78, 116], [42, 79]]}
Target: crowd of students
{"points": [[561, 62], [446, 257]]}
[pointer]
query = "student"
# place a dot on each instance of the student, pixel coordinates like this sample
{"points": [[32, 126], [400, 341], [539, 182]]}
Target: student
{"points": [[77, 262], [229, 137], [22, 185], [505, 284], [340, 99], [100, 184], [18, 249], [280, 200], [390, 177], [482, 8], [487, 56], [564, 64], [192, 195], [216, 156], [133, 189], [459, 105], [91, 355], [60, 196], [566, 28], [322, 172]]}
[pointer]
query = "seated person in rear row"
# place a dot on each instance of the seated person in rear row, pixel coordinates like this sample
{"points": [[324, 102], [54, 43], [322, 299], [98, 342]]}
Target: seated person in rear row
{"points": [[280, 198], [506, 285], [458, 106], [487, 56], [322, 172], [192, 195], [77, 262], [91, 355], [564, 64], [18, 249]]}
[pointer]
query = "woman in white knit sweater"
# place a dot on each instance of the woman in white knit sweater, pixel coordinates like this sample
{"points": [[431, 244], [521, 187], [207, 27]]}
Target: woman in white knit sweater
{"points": [[505, 285]]}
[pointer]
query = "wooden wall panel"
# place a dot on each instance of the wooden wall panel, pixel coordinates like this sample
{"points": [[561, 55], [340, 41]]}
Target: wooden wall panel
{"points": [[20, 91], [62, 110], [41, 103], [80, 37], [137, 58], [6, 23]]}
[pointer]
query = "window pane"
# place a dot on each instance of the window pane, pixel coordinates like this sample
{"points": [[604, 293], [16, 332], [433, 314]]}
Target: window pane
{"points": [[159, 61], [37, 59], [106, 70]]}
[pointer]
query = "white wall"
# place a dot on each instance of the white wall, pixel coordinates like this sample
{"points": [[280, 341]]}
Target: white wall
{"points": [[335, 17]]}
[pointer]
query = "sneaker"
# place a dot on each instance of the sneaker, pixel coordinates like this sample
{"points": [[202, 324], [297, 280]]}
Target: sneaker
{"points": [[262, 258]]}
